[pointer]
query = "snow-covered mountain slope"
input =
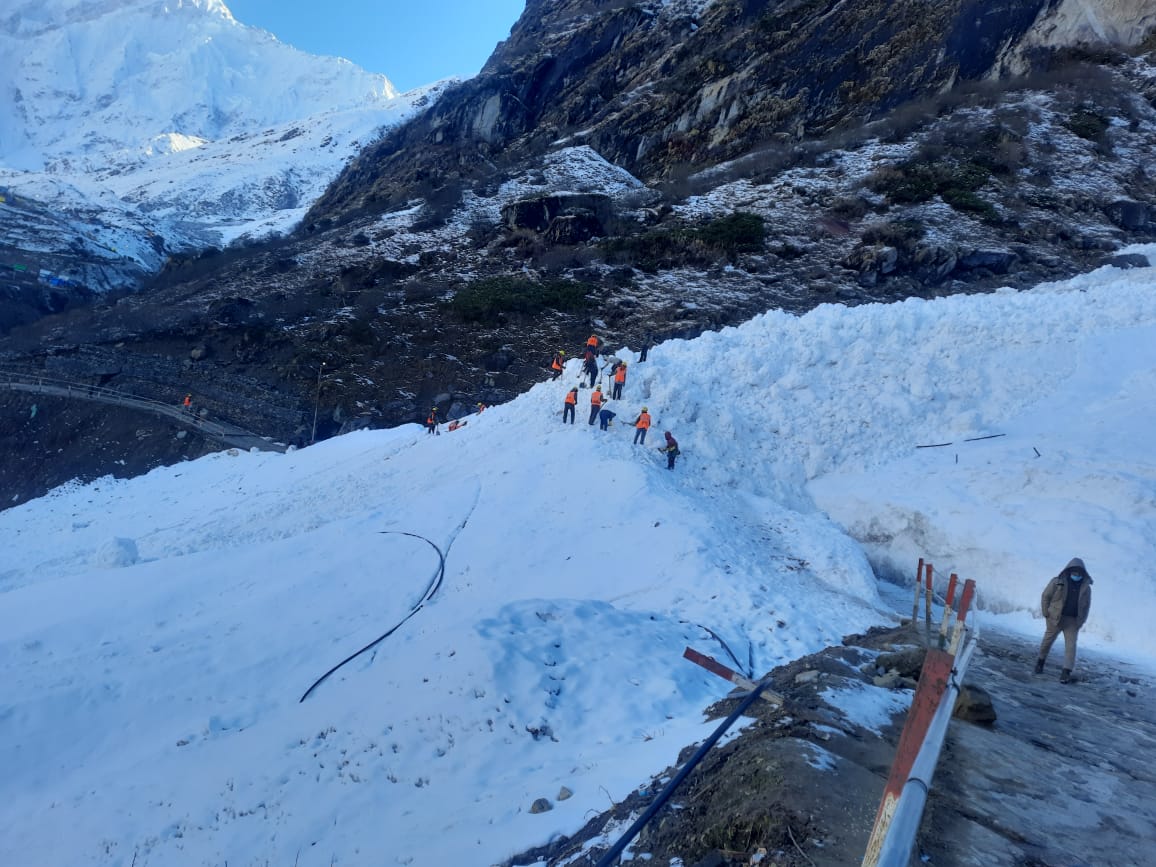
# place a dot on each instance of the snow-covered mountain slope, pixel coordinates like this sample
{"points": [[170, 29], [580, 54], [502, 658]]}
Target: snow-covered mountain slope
{"points": [[156, 634], [171, 116], [250, 184], [89, 82]]}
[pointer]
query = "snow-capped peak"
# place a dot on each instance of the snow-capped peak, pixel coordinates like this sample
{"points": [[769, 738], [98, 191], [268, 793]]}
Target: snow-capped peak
{"points": [[171, 116], [90, 77]]}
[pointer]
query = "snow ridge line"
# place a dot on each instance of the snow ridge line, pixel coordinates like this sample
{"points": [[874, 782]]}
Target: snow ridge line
{"points": [[435, 583]]}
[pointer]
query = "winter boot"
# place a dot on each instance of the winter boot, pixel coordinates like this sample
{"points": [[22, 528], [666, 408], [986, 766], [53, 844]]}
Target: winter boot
{"points": [[1066, 676], [1039, 666]]}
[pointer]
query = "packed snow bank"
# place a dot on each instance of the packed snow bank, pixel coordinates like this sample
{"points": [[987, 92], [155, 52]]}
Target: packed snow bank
{"points": [[1066, 377], [150, 702], [830, 409], [152, 709]]}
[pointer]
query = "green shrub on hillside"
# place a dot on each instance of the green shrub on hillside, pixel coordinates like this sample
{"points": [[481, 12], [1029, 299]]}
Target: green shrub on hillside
{"points": [[649, 251], [486, 299], [956, 182], [1089, 125], [721, 238], [735, 233]]}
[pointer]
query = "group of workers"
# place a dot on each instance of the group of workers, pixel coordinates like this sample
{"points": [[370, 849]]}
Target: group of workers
{"points": [[432, 421], [599, 411]]}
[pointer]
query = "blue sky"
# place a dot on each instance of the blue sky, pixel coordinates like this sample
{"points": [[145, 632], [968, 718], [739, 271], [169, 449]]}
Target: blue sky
{"points": [[413, 43]]}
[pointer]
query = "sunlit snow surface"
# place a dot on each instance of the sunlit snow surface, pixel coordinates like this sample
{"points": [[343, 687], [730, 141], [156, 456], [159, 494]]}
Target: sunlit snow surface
{"points": [[156, 634]]}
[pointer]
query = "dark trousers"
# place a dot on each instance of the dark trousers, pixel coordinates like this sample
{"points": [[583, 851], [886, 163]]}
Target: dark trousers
{"points": [[639, 435], [594, 410], [616, 394], [670, 456], [593, 376], [642, 355], [568, 412], [557, 373]]}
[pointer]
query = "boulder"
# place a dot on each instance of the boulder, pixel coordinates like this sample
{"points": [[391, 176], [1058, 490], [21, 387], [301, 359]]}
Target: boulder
{"points": [[1127, 260], [905, 663], [996, 261], [500, 359], [890, 680], [933, 263], [974, 704], [872, 261], [541, 805], [574, 228], [536, 214], [1128, 215]]}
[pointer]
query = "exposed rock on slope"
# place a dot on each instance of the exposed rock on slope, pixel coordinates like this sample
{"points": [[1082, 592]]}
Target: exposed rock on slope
{"points": [[1120, 23], [659, 88]]}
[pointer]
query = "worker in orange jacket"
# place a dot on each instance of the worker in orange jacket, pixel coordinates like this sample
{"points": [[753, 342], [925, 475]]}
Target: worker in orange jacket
{"points": [[592, 342], [557, 364], [641, 426], [595, 403], [568, 407], [619, 380], [431, 422]]}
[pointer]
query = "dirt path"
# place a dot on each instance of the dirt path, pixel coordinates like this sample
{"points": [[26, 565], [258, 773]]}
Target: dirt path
{"points": [[1064, 777]]}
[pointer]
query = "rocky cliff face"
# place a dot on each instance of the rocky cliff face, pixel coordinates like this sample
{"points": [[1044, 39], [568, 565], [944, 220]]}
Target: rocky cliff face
{"points": [[1067, 23], [661, 89], [644, 168]]}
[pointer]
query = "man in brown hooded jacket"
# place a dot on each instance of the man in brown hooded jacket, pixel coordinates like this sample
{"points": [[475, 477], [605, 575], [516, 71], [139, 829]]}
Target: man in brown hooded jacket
{"points": [[1065, 603]]}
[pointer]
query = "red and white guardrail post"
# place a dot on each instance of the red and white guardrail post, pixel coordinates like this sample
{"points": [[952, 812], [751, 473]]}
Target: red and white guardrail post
{"points": [[905, 794]]}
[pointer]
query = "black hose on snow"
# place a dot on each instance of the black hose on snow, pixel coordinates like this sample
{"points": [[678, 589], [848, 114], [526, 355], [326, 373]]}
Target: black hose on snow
{"points": [[426, 597]]}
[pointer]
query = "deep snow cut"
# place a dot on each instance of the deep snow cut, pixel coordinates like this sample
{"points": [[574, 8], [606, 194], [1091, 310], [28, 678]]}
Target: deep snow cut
{"points": [[157, 633]]}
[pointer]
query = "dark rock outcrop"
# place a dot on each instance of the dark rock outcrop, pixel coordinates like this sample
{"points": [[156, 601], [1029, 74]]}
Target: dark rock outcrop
{"points": [[657, 91]]}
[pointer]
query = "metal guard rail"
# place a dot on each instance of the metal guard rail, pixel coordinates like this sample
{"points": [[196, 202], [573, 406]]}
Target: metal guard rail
{"points": [[900, 813], [899, 842]]}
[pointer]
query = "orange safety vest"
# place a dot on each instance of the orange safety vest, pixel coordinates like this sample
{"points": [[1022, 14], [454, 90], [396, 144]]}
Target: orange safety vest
{"points": [[571, 397], [432, 419], [556, 364], [643, 420], [596, 398], [620, 375], [593, 341]]}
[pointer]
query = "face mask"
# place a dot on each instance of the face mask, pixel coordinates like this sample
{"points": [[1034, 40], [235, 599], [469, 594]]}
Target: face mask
{"points": [[1076, 576]]}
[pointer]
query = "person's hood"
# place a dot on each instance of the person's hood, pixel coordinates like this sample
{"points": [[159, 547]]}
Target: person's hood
{"points": [[1076, 565]]}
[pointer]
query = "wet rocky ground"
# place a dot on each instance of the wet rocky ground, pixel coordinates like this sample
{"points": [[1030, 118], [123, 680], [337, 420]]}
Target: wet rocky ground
{"points": [[1062, 777]]}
